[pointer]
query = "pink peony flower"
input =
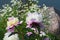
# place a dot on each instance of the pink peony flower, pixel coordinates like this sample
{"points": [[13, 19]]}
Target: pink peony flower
{"points": [[12, 22]]}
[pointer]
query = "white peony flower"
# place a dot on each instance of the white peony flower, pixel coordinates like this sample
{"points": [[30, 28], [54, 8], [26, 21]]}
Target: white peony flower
{"points": [[12, 37], [33, 17]]}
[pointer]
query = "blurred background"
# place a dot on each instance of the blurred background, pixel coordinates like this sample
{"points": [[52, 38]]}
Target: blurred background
{"points": [[54, 3]]}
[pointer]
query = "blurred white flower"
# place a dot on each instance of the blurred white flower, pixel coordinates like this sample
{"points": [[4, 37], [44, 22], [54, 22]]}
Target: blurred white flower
{"points": [[16, 2], [45, 7], [12, 37], [36, 39], [6, 8], [33, 29], [42, 33], [33, 17], [34, 7]]}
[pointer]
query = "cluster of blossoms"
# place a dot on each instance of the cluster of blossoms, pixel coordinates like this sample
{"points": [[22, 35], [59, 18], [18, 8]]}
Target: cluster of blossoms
{"points": [[33, 20], [11, 24]]}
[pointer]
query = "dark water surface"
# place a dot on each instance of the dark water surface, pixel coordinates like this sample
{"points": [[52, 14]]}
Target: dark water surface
{"points": [[54, 3], [2, 2]]}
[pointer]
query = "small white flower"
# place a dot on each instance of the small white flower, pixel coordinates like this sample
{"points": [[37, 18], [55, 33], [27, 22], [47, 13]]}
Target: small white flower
{"points": [[44, 7], [33, 28], [42, 33], [10, 9], [21, 22], [36, 39]]}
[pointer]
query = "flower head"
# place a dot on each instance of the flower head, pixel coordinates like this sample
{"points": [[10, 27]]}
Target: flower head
{"points": [[8, 36], [33, 19], [12, 21]]}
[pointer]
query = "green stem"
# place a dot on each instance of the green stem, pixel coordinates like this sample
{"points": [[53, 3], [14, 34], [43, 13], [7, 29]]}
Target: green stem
{"points": [[20, 33]]}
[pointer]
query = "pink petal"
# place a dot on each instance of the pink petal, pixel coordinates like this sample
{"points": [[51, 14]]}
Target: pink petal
{"points": [[29, 33]]}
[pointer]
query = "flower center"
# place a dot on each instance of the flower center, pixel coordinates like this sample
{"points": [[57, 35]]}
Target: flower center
{"points": [[35, 24]]}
